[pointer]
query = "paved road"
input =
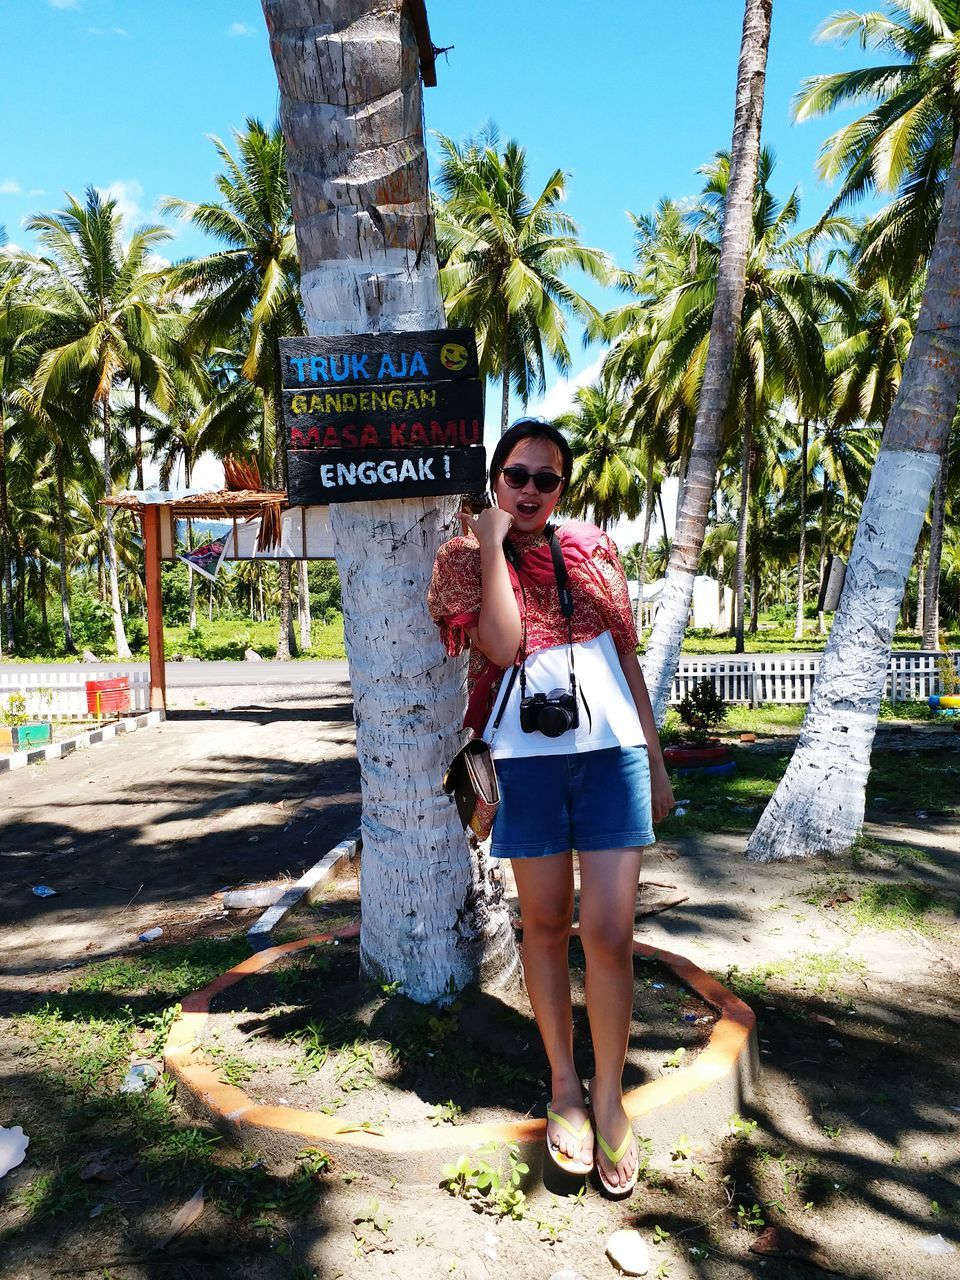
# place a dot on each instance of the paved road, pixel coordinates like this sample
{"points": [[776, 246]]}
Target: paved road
{"points": [[207, 675]]}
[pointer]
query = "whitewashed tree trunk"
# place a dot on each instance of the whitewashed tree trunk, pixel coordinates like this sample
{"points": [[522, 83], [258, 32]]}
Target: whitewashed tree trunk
{"points": [[818, 806], [351, 114], [802, 553], [931, 603], [743, 520], [663, 648], [119, 635], [303, 604]]}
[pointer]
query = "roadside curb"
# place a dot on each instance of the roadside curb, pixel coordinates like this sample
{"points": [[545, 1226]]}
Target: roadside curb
{"points": [[307, 889], [90, 738], [694, 1101]]}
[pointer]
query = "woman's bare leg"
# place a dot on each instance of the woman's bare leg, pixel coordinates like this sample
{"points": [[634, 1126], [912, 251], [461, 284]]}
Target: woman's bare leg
{"points": [[608, 898], [545, 888]]}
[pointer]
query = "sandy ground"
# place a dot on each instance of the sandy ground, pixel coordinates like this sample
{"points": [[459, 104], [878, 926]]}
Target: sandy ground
{"points": [[141, 832]]}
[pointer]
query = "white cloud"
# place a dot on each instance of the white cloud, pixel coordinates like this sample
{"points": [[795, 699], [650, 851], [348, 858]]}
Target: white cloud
{"points": [[64, 4], [560, 396], [37, 191], [127, 193], [10, 187], [240, 29]]}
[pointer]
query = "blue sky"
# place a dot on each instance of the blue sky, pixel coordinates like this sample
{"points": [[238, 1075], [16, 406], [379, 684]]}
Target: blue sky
{"points": [[628, 96]]}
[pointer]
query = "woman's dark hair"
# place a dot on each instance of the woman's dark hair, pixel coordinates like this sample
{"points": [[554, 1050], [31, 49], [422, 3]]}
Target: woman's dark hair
{"points": [[531, 429]]}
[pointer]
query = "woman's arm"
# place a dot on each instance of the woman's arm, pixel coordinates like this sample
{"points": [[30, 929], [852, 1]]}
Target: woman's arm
{"points": [[661, 792], [499, 631]]}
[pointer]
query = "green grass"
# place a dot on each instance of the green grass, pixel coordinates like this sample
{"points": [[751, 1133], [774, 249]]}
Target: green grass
{"points": [[167, 971], [726, 804], [823, 974], [228, 638], [779, 639], [883, 907]]}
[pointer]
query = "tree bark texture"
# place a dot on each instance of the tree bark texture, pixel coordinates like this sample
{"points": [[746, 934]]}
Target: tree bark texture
{"points": [[6, 540], [663, 649], [802, 552], [743, 521], [350, 108], [931, 601], [68, 642], [921, 581], [119, 635], [303, 605], [818, 806]]}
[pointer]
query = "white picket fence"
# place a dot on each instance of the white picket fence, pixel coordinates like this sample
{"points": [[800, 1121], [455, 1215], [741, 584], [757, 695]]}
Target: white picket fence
{"points": [[788, 677], [61, 695]]}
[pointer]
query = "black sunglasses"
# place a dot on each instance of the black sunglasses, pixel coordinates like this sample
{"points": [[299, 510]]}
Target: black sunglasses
{"points": [[545, 481]]}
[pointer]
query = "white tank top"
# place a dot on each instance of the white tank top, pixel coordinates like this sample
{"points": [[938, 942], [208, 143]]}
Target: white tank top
{"points": [[602, 686]]}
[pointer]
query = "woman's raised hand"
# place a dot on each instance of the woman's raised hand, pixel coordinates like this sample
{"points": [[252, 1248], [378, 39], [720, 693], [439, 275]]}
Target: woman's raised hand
{"points": [[490, 527]]}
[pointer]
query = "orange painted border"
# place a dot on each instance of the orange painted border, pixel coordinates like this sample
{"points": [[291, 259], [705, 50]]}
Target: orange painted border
{"points": [[727, 1050]]}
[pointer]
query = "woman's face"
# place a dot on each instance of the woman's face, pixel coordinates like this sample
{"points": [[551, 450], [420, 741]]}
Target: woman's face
{"points": [[530, 508]]}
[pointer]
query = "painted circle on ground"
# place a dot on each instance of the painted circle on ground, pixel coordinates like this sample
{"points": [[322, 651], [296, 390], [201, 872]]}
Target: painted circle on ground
{"points": [[453, 356]]}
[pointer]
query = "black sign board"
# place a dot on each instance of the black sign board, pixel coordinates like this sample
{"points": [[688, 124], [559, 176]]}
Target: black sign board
{"points": [[382, 415]]}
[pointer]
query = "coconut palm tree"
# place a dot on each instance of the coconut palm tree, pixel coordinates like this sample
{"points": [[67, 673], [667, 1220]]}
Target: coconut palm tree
{"points": [[431, 919], [663, 649], [605, 484], [99, 296], [251, 287], [818, 806], [903, 144], [504, 254]]}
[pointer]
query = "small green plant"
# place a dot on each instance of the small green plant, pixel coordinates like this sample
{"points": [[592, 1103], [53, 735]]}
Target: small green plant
{"points": [[702, 711], [314, 1047], [832, 1131], [492, 1188], [662, 1271], [947, 671], [659, 1234], [675, 1059], [372, 1219], [313, 1161], [448, 1112], [14, 713], [160, 1024], [750, 1218], [231, 1067], [741, 1128]]}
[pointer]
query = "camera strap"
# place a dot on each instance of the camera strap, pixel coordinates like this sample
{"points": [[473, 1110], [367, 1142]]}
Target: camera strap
{"points": [[565, 596]]}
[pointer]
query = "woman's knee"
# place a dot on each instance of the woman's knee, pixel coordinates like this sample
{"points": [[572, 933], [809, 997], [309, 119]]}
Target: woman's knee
{"points": [[547, 923], [607, 943]]}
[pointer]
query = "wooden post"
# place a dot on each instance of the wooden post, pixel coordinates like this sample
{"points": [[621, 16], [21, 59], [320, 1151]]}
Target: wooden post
{"points": [[151, 557]]}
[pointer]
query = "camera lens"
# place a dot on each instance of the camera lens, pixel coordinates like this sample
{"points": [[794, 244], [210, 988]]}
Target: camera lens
{"points": [[552, 721]]}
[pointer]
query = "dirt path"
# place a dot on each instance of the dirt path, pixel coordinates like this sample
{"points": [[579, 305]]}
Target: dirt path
{"points": [[139, 832]]}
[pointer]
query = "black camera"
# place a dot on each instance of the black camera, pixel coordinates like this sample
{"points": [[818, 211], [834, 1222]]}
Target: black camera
{"points": [[550, 713]]}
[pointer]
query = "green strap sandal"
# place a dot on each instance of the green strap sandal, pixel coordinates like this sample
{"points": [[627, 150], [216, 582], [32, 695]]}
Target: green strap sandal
{"points": [[624, 1189], [567, 1163]]}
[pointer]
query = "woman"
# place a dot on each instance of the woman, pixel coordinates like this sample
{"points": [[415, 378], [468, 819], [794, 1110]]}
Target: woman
{"points": [[592, 779]]}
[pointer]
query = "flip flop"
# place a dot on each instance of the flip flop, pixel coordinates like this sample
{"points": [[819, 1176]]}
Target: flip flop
{"points": [[567, 1163], [624, 1189]]}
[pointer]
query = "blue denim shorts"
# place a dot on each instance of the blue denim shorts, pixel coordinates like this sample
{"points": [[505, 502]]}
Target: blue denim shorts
{"points": [[587, 800]]}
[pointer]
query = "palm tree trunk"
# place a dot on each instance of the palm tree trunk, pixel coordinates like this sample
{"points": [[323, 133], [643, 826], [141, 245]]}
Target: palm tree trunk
{"points": [[824, 519], [743, 519], [663, 649], [818, 806], [931, 602], [754, 601], [119, 635], [433, 918], [285, 641], [505, 390], [303, 602], [802, 552], [921, 581], [68, 642], [647, 522], [138, 433], [6, 539]]}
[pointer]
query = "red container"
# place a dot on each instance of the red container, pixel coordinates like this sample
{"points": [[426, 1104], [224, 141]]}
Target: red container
{"points": [[108, 697]]}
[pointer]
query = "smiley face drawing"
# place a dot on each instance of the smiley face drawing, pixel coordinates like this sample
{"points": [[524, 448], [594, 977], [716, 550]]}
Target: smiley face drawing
{"points": [[453, 356]]}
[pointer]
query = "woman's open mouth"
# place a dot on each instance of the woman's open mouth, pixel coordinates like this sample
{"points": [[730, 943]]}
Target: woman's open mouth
{"points": [[528, 508]]}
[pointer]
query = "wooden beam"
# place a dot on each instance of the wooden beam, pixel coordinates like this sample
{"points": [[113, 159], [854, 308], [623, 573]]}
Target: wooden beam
{"points": [[151, 556], [428, 64]]}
